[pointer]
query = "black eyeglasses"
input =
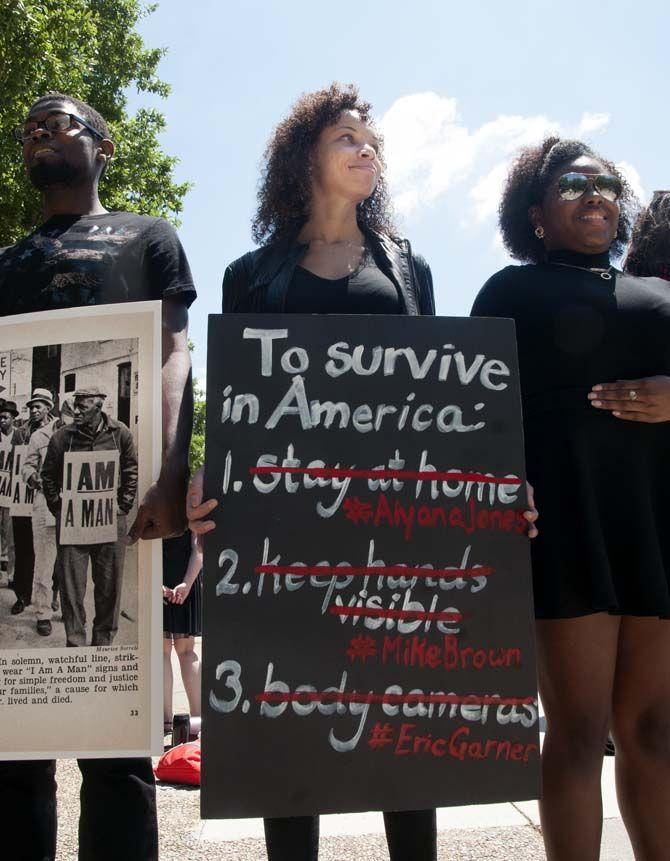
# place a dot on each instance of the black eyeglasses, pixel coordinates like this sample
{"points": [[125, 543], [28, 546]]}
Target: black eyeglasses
{"points": [[571, 186], [56, 122]]}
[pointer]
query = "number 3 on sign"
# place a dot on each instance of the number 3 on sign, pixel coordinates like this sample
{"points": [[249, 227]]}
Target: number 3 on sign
{"points": [[232, 682]]}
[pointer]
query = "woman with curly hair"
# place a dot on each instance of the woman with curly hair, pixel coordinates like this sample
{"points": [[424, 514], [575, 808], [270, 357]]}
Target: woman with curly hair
{"points": [[649, 252], [327, 246], [601, 565], [327, 240]]}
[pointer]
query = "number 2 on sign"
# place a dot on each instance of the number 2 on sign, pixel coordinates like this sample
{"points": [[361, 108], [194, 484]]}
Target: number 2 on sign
{"points": [[224, 586]]}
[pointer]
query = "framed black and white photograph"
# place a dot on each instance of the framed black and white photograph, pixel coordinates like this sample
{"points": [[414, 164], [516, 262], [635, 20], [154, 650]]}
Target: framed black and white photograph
{"points": [[79, 441]]}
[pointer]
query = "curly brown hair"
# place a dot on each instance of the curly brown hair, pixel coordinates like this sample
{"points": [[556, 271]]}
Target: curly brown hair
{"points": [[530, 175], [649, 252], [284, 191]]}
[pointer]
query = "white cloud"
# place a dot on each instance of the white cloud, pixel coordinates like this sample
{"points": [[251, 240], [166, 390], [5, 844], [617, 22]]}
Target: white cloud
{"points": [[486, 192], [634, 180], [590, 124], [430, 151], [201, 379], [426, 147]]}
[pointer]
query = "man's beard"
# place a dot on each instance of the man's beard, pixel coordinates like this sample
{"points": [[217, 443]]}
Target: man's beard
{"points": [[45, 173]]}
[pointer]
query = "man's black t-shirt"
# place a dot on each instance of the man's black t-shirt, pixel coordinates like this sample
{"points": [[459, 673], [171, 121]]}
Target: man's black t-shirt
{"points": [[75, 260]]}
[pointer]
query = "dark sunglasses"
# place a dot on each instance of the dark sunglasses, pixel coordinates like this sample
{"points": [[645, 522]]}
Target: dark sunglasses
{"points": [[572, 186], [56, 122]]}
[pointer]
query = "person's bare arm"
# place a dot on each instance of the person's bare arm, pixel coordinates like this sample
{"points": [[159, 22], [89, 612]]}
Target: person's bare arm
{"points": [[162, 512], [181, 591]]}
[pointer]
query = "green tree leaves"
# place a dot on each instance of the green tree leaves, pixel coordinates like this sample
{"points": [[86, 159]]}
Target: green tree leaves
{"points": [[90, 50], [197, 450]]}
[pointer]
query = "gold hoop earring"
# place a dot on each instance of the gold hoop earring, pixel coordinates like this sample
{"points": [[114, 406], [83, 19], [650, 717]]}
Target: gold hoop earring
{"points": [[539, 232]]}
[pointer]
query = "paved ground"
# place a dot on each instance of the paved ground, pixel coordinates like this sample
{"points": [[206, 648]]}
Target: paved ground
{"points": [[494, 832], [486, 833], [20, 631]]}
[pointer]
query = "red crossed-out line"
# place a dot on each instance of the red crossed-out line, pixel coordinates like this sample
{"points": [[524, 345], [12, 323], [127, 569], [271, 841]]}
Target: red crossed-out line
{"points": [[382, 613], [376, 571], [395, 699], [425, 475]]}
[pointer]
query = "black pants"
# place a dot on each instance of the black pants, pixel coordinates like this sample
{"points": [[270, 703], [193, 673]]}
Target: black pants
{"points": [[411, 836], [24, 566], [118, 810]]}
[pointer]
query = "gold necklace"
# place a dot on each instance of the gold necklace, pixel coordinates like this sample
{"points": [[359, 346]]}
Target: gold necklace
{"points": [[605, 274]]}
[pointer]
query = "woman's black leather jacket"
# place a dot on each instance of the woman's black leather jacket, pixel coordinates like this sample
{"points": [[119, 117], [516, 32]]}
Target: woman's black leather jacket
{"points": [[259, 280]]}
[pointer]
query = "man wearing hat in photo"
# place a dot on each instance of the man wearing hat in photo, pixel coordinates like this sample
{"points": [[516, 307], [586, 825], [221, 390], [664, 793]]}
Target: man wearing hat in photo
{"points": [[66, 418], [39, 414], [92, 430], [8, 414]]}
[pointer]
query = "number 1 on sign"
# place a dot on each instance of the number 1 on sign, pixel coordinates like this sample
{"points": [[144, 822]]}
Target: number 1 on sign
{"points": [[226, 471]]}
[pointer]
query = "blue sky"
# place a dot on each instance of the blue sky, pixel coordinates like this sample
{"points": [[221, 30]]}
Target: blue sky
{"points": [[457, 88]]}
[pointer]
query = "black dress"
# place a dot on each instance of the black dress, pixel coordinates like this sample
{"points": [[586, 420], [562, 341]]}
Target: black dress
{"points": [[181, 620], [602, 484]]}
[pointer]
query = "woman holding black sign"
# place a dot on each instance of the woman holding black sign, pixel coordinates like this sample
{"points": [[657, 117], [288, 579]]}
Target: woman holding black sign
{"points": [[327, 246], [601, 566]]}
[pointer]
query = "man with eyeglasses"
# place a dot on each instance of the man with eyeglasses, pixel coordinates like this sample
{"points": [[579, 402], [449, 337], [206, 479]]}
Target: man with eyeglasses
{"points": [[84, 255]]}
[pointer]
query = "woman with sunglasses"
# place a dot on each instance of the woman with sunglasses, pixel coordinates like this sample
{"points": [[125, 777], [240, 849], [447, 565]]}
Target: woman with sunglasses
{"points": [[601, 565]]}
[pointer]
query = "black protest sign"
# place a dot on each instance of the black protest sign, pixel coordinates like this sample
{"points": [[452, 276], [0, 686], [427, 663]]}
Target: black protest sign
{"points": [[368, 630]]}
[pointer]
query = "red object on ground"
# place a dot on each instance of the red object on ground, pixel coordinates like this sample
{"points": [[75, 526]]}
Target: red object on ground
{"points": [[180, 764]]}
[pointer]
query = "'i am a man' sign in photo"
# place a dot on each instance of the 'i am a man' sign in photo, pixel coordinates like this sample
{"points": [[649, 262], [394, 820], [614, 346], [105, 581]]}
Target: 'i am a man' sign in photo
{"points": [[6, 470], [22, 495], [368, 617], [90, 484]]}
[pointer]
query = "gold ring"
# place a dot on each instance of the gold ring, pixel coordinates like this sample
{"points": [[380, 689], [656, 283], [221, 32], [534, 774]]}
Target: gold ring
{"points": [[632, 394]]}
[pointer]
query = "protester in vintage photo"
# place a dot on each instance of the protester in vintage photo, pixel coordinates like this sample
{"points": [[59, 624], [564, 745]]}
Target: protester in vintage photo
{"points": [[44, 529], [39, 407], [92, 431], [66, 418], [114, 363], [8, 414], [601, 568], [83, 255]]}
